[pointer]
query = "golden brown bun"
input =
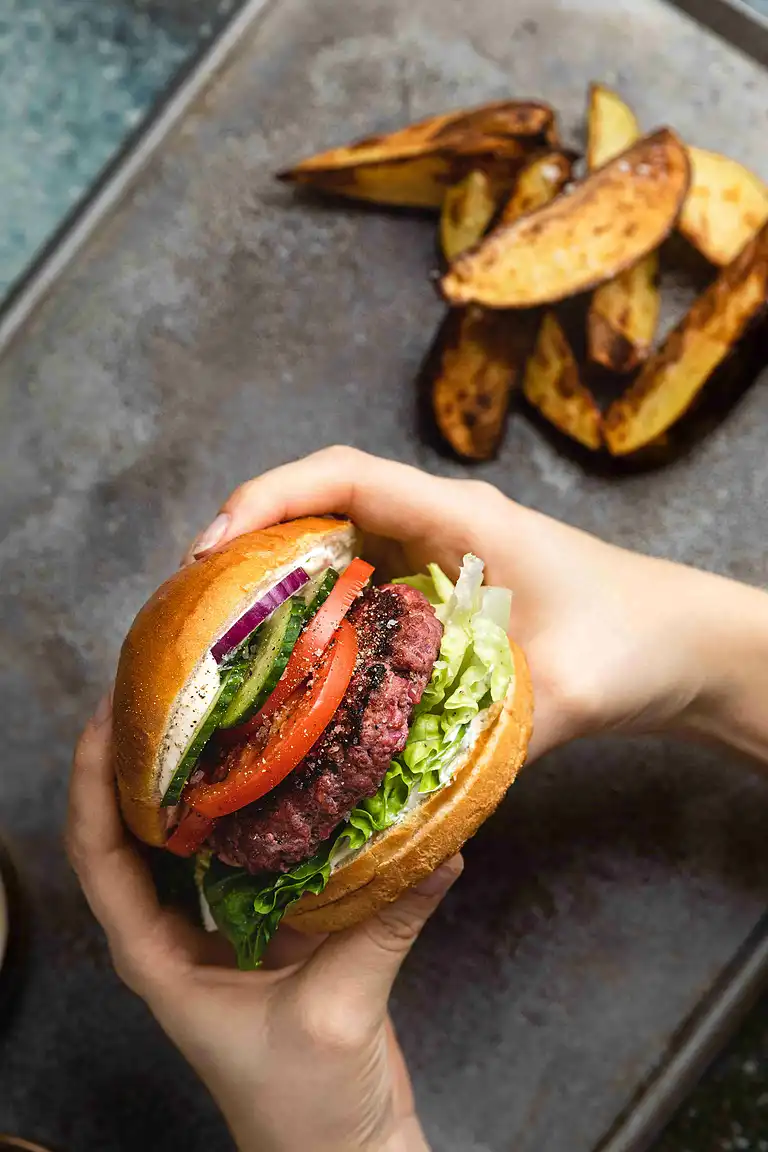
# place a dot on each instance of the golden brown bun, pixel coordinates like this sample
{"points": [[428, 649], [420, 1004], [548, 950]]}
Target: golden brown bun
{"points": [[401, 857], [171, 635]]}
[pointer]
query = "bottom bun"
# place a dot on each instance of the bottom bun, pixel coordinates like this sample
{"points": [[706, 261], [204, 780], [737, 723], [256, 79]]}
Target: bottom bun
{"points": [[397, 859]]}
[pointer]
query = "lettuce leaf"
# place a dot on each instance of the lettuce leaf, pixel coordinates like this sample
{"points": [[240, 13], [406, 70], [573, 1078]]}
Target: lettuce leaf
{"points": [[473, 670]]}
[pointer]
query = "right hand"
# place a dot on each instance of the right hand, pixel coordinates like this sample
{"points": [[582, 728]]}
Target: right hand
{"points": [[615, 640]]}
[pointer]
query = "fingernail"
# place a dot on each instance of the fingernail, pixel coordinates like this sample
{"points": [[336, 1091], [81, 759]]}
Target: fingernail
{"points": [[103, 710], [212, 535], [442, 878]]}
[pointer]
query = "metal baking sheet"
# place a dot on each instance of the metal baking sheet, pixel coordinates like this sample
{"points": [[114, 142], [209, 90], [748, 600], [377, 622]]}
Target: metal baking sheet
{"points": [[740, 23], [201, 324]]}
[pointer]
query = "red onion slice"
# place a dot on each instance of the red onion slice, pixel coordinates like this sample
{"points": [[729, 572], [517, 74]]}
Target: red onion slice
{"points": [[258, 613]]}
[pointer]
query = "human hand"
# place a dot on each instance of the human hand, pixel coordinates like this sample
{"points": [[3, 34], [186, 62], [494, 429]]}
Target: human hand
{"points": [[615, 640], [298, 1056]]}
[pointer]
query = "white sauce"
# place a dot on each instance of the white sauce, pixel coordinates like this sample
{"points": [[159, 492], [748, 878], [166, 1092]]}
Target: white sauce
{"points": [[206, 915], [190, 709], [198, 693]]}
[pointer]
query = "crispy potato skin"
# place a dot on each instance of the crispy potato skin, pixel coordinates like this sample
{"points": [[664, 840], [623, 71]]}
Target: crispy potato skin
{"points": [[414, 166], [725, 206], [608, 222], [672, 379], [477, 361], [552, 384]]}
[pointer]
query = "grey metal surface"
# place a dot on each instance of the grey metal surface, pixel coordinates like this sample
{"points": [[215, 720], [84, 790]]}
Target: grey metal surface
{"points": [[743, 23], [214, 326]]}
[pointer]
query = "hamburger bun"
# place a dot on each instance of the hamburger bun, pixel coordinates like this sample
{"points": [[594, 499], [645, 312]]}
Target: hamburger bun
{"points": [[436, 829], [172, 634], [168, 644]]}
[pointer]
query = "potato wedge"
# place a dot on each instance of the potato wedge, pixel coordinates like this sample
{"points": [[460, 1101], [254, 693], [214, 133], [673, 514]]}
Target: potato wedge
{"points": [[624, 312], [623, 316], [478, 354], [673, 378], [608, 222], [543, 178], [414, 166], [725, 206], [612, 126], [475, 365], [552, 384], [468, 209]]}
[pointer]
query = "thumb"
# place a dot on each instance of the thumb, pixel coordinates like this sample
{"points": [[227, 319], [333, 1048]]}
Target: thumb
{"points": [[361, 963]]}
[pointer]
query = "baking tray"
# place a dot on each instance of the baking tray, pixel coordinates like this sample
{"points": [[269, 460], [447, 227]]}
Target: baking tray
{"points": [[198, 324]]}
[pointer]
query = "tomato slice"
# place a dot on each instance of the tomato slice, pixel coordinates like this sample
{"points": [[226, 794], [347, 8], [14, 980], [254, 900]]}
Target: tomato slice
{"points": [[257, 772], [310, 645], [189, 833]]}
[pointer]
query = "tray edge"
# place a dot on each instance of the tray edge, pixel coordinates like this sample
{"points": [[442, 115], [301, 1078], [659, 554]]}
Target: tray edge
{"points": [[117, 178]]}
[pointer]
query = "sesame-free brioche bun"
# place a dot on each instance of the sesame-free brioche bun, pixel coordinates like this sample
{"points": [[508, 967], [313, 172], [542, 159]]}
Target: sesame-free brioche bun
{"points": [[175, 629], [435, 829]]}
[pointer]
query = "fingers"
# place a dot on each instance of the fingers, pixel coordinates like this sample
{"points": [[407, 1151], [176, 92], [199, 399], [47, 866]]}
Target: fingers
{"points": [[145, 941], [116, 884], [360, 965], [382, 497]]}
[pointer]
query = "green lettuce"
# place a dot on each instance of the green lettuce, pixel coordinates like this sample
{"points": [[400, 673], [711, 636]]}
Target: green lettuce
{"points": [[473, 670]]}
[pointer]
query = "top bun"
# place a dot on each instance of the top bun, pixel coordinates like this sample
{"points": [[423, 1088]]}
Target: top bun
{"points": [[175, 629]]}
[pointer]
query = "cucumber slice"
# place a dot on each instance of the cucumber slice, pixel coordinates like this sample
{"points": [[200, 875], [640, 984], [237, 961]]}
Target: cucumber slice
{"points": [[231, 681], [275, 639], [319, 589]]}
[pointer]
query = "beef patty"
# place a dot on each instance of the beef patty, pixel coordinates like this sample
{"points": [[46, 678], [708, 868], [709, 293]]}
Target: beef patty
{"points": [[398, 638]]}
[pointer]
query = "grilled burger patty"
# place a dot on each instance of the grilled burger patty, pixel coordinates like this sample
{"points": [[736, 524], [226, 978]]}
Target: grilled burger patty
{"points": [[398, 640]]}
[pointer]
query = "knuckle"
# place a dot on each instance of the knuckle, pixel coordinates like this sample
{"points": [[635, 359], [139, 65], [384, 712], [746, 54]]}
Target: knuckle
{"points": [[482, 490], [578, 701], [397, 926], [240, 495], [343, 455], [331, 1026]]}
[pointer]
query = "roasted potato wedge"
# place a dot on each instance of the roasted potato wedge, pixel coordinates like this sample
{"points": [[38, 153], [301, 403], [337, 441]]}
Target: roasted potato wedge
{"points": [[612, 126], [478, 354], [414, 166], [543, 178], [673, 378], [468, 209], [725, 206], [608, 222], [623, 316], [552, 384], [624, 312], [474, 367]]}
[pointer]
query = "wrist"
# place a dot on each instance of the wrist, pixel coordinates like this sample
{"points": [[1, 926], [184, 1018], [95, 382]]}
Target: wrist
{"points": [[728, 652]]}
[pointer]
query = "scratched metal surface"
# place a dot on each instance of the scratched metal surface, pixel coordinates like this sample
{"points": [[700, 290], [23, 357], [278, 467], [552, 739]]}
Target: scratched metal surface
{"points": [[216, 326]]}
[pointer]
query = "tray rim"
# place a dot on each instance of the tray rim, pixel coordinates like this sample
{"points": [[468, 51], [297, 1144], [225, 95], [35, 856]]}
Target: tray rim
{"points": [[735, 21], [715, 1019], [118, 176]]}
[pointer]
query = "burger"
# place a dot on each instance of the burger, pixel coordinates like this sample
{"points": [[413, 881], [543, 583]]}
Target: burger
{"points": [[312, 742]]}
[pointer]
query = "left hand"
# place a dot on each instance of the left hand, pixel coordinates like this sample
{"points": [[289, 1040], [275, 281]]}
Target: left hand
{"points": [[299, 1055]]}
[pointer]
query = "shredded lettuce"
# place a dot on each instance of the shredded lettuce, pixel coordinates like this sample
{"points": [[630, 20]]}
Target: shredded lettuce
{"points": [[473, 670]]}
